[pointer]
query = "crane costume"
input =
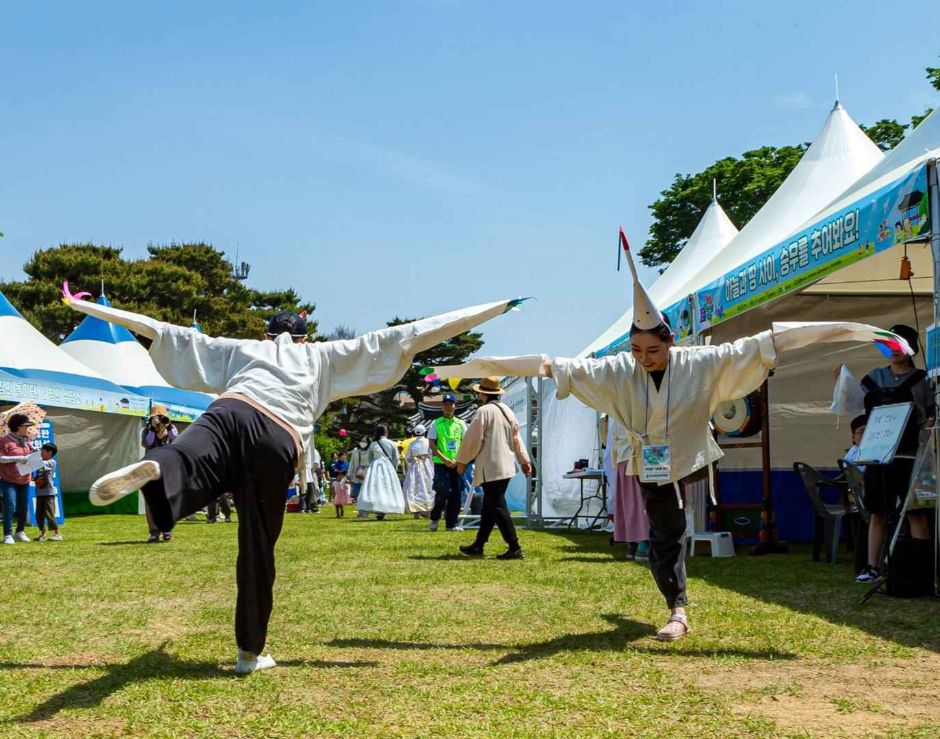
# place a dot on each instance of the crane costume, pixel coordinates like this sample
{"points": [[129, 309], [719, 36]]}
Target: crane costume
{"points": [[666, 414], [254, 436]]}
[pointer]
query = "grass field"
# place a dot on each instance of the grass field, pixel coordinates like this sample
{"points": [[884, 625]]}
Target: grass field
{"points": [[379, 629]]}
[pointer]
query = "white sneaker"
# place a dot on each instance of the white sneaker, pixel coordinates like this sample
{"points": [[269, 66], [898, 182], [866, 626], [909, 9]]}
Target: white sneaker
{"points": [[115, 485], [55, 537], [8, 539], [41, 537], [432, 526], [20, 536], [248, 662], [456, 528]]}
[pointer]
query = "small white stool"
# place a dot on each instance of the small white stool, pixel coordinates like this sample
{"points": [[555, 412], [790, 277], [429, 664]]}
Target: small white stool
{"points": [[721, 542]]}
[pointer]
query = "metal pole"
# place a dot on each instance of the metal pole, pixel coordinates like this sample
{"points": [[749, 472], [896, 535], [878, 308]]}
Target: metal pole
{"points": [[933, 195]]}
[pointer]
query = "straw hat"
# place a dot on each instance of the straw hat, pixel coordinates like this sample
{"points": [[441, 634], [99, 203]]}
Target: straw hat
{"points": [[488, 386], [158, 409]]}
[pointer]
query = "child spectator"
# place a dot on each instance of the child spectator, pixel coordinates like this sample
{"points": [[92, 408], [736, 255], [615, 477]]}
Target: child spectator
{"points": [[45, 493], [858, 429], [341, 494]]}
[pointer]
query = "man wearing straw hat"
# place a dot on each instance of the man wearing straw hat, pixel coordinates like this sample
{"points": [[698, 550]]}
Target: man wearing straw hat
{"points": [[254, 436], [494, 445]]}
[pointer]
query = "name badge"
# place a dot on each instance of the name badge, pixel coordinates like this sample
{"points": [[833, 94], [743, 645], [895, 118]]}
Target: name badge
{"points": [[656, 462], [452, 445]]}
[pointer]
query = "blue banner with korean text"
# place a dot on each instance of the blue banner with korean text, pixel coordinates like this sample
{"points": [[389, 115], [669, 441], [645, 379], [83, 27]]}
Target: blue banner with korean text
{"points": [[888, 216]]}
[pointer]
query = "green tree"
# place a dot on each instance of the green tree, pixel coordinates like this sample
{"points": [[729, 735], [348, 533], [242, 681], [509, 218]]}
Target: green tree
{"points": [[746, 183], [886, 133], [360, 416], [170, 284], [933, 77]]}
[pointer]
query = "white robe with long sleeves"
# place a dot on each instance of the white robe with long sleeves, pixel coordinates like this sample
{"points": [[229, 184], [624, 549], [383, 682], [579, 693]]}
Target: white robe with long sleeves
{"points": [[295, 382], [419, 476]]}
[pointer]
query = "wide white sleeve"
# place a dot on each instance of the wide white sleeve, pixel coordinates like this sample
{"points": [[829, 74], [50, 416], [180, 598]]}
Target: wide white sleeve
{"points": [[737, 368], [378, 359], [191, 360], [602, 384], [139, 324]]}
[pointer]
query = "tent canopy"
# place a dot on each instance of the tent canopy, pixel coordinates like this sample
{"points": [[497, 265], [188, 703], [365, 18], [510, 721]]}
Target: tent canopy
{"points": [[839, 155], [36, 369], [112, 351]]}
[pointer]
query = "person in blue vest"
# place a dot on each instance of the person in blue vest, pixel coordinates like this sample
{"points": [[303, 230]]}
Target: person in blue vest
{"points": [[445, 437]]}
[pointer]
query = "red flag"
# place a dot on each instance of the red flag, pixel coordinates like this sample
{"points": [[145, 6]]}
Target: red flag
{"points": [[623, 240]]}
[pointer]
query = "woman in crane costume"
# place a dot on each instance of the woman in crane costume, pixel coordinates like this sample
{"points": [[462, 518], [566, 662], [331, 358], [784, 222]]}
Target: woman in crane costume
{"points": [[253, 437], [664, 396]]}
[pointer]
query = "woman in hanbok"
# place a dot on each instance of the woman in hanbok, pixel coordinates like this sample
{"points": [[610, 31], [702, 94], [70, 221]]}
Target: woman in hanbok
{"points": [[381, 491], [419, 496], [664, 397]]}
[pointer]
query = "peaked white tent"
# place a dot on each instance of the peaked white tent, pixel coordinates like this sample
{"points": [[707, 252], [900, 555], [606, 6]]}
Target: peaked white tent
{"points": [[113, 352], [95, 421], [712, 234], [839, 156]]}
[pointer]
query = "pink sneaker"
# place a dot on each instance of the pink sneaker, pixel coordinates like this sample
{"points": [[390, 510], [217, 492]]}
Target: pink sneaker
{"points": [[675, 628]]}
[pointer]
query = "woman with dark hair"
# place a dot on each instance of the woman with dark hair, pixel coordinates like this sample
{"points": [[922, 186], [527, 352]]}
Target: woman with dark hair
{"points": [[664, 396], [14, 485], [886, 485]]}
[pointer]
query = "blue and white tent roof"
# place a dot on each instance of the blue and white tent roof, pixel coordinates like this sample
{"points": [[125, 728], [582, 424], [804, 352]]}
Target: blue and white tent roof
{"points": [[113, 352], [34, 368]]}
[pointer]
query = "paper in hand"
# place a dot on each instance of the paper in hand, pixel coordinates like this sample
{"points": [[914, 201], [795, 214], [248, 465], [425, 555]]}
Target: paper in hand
{"points": [[33, 463]]}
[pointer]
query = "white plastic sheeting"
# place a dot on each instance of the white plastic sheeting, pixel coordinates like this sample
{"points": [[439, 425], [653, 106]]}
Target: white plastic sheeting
{"points": [[569, 429]]}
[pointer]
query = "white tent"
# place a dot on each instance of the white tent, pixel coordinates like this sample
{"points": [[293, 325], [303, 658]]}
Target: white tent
{"points": [[113, 352], [840, 154], [712, 234], [95, 421]]}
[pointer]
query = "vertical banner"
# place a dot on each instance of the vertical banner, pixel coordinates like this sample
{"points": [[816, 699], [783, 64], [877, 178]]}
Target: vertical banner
{"points": [[46, 435]]}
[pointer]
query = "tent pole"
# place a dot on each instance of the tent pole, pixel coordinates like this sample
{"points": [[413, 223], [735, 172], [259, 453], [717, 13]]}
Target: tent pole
{"points": [[933, 199], [768, 535]]}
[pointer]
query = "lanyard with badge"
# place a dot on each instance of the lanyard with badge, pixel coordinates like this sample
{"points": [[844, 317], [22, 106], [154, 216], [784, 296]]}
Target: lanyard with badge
{"points": [[656, 458]]}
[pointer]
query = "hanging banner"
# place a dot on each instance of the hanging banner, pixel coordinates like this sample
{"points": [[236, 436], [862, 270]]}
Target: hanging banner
{"points": [[888, 216], [17, 389]]}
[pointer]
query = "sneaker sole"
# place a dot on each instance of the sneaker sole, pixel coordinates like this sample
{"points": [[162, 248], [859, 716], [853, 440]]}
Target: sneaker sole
{"points": [[115, 485]]}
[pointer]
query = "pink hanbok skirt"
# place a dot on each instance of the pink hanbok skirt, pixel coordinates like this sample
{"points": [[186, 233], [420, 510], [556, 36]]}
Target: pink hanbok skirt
{"points": [[630, 520]]}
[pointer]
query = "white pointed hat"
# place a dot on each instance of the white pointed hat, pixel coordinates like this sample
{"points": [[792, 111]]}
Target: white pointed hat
{"points": [[645, 315]]}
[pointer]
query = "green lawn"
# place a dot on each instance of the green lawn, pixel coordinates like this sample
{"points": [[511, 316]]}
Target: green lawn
{"points": [[380, 629]]}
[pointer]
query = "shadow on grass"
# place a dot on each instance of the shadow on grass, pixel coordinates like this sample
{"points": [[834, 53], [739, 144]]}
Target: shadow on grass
{"points": [[450, 557], [626, 634], [131, 543], [156, 664], [794, 581]]}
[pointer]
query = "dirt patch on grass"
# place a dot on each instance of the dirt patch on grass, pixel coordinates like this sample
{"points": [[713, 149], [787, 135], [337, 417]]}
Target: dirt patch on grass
{"points": [[825, 699]]}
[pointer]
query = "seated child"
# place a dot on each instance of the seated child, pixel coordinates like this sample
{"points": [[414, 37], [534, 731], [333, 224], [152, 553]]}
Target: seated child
{"points": [[858, 429]]}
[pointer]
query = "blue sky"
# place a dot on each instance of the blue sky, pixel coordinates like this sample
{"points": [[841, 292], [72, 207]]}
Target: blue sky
{"points": [[407, 158]]}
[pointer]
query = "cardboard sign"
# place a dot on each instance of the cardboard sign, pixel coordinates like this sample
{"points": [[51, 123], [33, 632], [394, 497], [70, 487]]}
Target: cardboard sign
{"points": [[883, 432]]}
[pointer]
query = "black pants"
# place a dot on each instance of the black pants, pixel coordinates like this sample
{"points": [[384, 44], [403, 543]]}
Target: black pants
{"points": [[446, 495], [495, 512], [213, 507], [308, 501], [667, 539], [232, 447]]}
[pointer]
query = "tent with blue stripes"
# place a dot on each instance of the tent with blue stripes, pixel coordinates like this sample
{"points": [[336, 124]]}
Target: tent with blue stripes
{"points": [[96, 422], [113, 352]]}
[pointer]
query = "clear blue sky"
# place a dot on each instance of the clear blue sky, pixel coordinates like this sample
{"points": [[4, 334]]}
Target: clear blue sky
{"points": [[407, 158]]}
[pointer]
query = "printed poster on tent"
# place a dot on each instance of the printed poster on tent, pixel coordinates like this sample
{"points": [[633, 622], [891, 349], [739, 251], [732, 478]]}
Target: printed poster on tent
{"points": [[891, 215]]}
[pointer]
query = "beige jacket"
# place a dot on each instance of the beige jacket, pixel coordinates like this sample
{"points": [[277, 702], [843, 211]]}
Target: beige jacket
{"points": [[493, 444]]}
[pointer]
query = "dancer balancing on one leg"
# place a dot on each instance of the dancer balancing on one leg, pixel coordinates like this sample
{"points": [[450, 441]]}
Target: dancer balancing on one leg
{"points": [[664, 396], [253, 437]]}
